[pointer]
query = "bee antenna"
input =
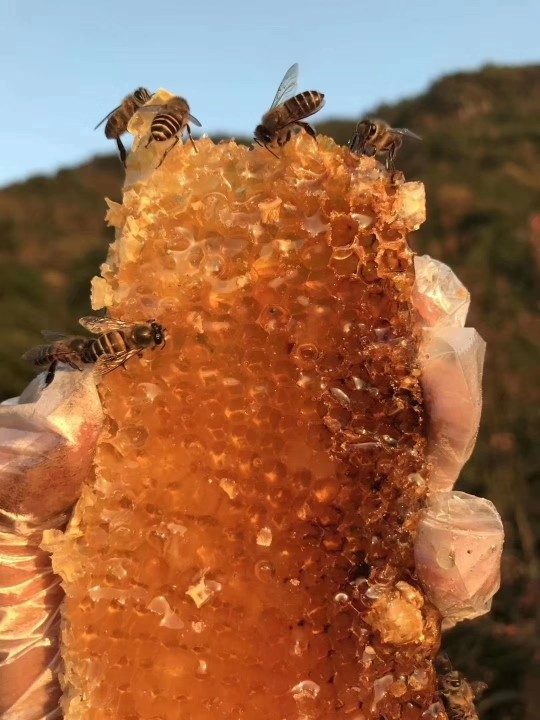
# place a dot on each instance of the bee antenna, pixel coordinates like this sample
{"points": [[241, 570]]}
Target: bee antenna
{"points": [[266, 146]]}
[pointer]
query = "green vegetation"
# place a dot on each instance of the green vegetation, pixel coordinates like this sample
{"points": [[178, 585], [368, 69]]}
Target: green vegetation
{"points": [[52, 241], [480, 161]]}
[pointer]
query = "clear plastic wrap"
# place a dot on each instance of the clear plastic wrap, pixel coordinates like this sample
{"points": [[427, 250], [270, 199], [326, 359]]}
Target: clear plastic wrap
{"points": [[47, 440]]}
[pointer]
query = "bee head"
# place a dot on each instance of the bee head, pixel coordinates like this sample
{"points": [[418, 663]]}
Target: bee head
{"points": [[158, 333], [366, 129], [454, 681], [262, 136]]}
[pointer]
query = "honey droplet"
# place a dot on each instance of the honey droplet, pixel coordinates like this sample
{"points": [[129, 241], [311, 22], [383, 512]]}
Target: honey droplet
{"points": [[264, 571]]}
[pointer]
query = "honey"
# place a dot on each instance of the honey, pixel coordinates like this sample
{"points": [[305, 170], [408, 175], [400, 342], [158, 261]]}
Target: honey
{"points": [[246, 548]]}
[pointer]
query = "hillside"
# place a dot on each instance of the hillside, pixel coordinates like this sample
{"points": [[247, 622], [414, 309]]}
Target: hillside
{"points": [[480, 162]]}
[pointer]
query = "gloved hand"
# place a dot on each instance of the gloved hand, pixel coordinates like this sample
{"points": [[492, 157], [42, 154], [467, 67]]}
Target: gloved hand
{"points": [[47, 441], [459, 543]]}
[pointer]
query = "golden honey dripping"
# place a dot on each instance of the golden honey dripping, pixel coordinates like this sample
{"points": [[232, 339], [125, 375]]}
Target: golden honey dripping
{"points": [[246, 549]]}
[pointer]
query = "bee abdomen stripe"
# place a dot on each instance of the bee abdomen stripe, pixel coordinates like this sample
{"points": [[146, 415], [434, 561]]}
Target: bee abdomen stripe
{"points": [[294, 104], [92, 351], [112, 128], [106, 343], [312, 99], [99, 346], [116, 341], [164, 127], [304, 103]]}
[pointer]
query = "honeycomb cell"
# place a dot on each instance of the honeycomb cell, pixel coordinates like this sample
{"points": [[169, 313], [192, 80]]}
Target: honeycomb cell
{"points": [[246, 550]]}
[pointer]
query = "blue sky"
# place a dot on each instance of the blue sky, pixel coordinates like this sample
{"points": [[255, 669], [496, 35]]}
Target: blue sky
{"points": [[65, 63]]}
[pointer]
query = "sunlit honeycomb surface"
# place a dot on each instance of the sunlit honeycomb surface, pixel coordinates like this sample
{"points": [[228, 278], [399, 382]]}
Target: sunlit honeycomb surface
{"points": [[246, 550]]}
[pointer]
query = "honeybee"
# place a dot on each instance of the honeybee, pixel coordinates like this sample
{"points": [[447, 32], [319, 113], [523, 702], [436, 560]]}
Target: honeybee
{"points": [[118, 119], [457, 694], [376, 137], [287, 112], [171, 120], [60, 349], [118, 341]]}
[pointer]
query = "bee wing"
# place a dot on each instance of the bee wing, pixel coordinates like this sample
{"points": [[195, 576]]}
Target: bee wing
{"points": [[478, 688], [159, 108], [34, 352], [194, 120], [107, 363], [98, 325], [54, 336], [408, 133], [151, 108], [107, 116], [287, 87]]}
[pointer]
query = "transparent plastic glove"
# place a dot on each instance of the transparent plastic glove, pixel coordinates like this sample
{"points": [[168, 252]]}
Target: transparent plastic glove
{"points": [[459, 544], [47, 440]]}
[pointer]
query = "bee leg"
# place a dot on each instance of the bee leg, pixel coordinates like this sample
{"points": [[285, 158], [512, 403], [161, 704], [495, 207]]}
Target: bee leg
{"points": [[354, 143], [310, 131], [283, 139], [390, 155], [191, 138], [167, 151], [49, 377], [71, 362], [122, 151], [369, 150]]}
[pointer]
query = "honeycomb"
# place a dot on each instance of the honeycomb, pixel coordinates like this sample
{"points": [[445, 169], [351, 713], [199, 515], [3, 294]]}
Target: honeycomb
{"points": [[246, 549]]}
